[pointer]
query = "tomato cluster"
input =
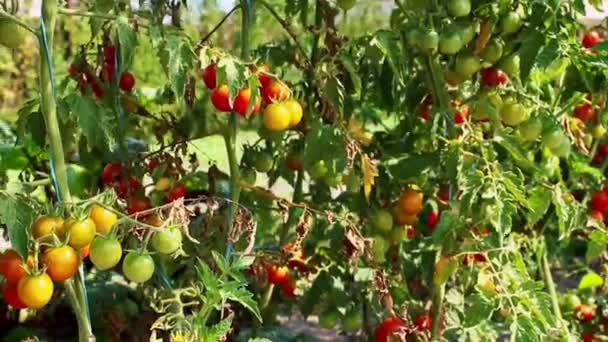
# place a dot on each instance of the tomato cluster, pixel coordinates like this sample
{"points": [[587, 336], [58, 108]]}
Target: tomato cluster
{"points": [[84, 73], [285, 274], [280, 114]]}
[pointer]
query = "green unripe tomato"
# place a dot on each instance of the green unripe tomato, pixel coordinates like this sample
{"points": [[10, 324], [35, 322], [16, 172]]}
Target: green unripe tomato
{"points": [[398, 234], [352, 321], [248, 176], [511, 23], [382, 220], [599, 131], [263, 162], [332, 180], [511, 65], [493, 51], [553, 139], [428, 40], [459, 8], [12, 35], [563, 150], [513, 113], [531, 129], [318, 170], [450, 43], [168, 240], [329, 319], [379, 249], [467, 64], [346, 5]]}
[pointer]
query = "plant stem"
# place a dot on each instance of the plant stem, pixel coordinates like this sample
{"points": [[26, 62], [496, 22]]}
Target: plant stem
{"points": [[436, 312], [297, 196], [551, 287], [85, 333], [66, 11], [231, 134], [48, 103], [217, 27], [76, 290]]}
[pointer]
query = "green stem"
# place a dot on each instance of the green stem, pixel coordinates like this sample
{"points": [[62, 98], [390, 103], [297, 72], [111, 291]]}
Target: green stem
{"points": [[49, 105], [551, 287], [72, 12], [85, 333], [436, 312], [231, 134], [76, 290], [297, 197]]}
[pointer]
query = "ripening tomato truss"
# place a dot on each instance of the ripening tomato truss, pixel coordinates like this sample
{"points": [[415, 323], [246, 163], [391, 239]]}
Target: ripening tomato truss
{"points": [[435, 170]]}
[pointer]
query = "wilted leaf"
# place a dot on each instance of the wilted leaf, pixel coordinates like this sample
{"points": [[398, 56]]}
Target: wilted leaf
{"points": [[355, 129], [370, 172]]}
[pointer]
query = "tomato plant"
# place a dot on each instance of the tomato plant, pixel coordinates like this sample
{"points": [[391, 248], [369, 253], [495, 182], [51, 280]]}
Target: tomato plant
{"points": [[434, 170]]}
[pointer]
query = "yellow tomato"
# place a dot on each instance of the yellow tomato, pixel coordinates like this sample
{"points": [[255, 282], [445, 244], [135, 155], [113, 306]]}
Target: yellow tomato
{"points": [[35, 291], [81, 232], [46, 225], [163, 184], [103, 218], [277, 117], [295, 110]]}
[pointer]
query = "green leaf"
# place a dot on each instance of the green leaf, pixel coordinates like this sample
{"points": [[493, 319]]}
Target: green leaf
{"points": [[412, 166], [445, 231], [220, 262], [539, 200], [18, 216], [216, 332], [351, 67], [245, 298], [243, 262], [128, 41], [590, 280], [386, 42], [180, 62], [513, 146], [327, 143], [94, 120], [532, 41], [478, 310], [598, 241]]}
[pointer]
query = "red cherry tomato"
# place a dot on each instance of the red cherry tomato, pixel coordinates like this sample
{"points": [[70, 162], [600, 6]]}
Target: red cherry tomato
{"points": [[241, 102], [109, 54], [127, 81], [596, 215], [177, 192], [9, 291], [432, 219], [263, 74], [11, 266], [387, 328], [423, 322], [411, 232], [97, 89], [584, 312], [275, 91], [584, 112], [289, 288], [209, 76], [111, 172], [137, 205], [277, 275], [424, 111], [220, 98], [591, 38], [599, 201], [73, 69], [493, 77]]}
